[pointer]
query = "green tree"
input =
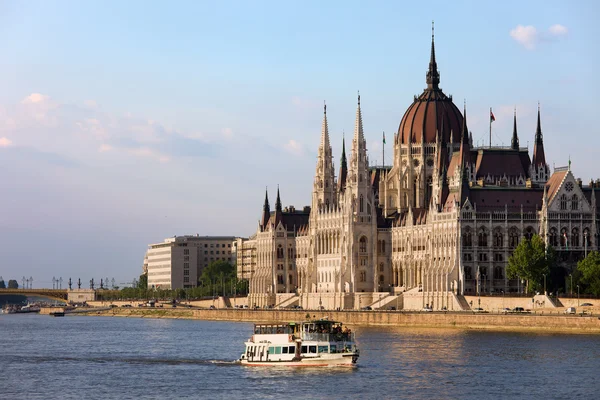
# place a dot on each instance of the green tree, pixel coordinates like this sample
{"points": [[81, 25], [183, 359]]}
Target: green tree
{"points": [[2, 284], [143, 283], [530, 262], [12, 284], [589, 270]]}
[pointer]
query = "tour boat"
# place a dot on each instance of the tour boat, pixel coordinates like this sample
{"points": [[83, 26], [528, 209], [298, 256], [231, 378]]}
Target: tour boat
{"points": [[305, 344]]}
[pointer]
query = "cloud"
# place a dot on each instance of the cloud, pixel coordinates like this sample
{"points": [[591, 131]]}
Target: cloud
{"points": [[294, 147], [227, 133], [525, 35], [5, 142], [104, 148], [529, 37], [149, 153], [558, 30], [35, 98]]}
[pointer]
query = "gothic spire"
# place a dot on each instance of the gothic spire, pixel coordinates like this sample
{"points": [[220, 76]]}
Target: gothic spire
{"points": [[266, 211], [514, 143], [325, 130], [358, 127], [343, 167], [433, 76], [465, 148], [539, 156], [278, 202]]}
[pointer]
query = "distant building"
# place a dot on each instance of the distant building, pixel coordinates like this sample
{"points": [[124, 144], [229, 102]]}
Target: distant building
{"points": [[178, 262]]}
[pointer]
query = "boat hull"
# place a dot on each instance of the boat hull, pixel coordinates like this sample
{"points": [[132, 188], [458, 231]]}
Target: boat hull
{"points": [[345, 360]]}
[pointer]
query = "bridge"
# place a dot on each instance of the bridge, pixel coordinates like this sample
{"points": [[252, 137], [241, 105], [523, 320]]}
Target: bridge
{"points": [[57, 294]]}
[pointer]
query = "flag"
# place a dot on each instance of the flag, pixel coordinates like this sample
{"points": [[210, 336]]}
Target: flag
{"points": [[492, 118], [383, 137]]}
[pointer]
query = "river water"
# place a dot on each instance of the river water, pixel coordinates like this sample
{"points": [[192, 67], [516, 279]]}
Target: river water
{"points": [[105, 358]]}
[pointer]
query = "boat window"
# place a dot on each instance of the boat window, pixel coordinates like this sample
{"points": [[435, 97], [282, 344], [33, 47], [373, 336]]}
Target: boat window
{"points": [[284, 350], [333, 348], [292, 349], [323, 349], [312, 349], [277, 350], [304, 349], [271, 350]]}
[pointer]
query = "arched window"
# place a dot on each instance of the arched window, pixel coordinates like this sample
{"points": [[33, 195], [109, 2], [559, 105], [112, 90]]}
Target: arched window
{"points": [[528, 233], [563, 202], [381, 267], [498, 273], [513, 237], [362, 203], [575, 237], [498, 238], [279, 252], [468, 273], [553, 237], [363, 244], [586, 237], [363, 276], [564, 240], [482, 242], [574, 202], [467, 238]]}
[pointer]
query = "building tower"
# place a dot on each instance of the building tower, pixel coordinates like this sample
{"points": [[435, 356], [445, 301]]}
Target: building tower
{"points": [[324, 194]]}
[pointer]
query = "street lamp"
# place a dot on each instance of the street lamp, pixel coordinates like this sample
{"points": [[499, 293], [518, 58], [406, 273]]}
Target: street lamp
{"points": [[571, 287], [585, 235], [577, 295], [545, 284]]}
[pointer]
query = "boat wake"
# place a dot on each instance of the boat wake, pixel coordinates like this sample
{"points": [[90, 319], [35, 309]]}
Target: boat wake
{"points": [[126, 360]]}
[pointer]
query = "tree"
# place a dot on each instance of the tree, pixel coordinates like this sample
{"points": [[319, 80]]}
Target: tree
{"points": [[2, 284], [12, 284], [589, 268], [529, 262], [143, 283]]}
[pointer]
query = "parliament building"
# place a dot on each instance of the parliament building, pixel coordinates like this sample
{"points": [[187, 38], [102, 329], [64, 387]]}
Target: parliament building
{"points": [[438, 224]]}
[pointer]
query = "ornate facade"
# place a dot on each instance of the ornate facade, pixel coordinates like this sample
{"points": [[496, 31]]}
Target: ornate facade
{"points": [[440, 223]]}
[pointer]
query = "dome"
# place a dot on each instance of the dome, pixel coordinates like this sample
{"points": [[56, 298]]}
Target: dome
{"points": [[431, 112]]}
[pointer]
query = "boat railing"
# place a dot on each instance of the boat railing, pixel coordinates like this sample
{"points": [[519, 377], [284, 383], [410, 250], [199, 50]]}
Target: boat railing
{"points": [[328, 337]]}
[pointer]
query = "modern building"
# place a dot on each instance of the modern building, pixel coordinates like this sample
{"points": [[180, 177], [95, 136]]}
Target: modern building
{"points": [[178, 262], [439, 223]]}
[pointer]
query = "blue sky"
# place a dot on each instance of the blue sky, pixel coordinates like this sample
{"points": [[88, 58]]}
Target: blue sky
{"points": [[122, 123]]}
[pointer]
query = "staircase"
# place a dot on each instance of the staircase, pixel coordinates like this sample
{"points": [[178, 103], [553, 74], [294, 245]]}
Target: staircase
{"points": [[462, 302], [293, 300], [384, 302]]}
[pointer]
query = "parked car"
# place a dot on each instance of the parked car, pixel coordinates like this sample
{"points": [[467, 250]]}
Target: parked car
{"points": [[570, 310], [211, 307], [506, 310], [367, 308], [587, 305], [479, 310], [518, 310], [427, 309]]}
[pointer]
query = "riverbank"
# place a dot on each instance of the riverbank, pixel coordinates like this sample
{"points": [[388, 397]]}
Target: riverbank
{"points": [[575, 324]]}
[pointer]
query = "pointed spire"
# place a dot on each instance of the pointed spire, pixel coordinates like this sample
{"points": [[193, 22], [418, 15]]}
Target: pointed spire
{"points": [[514, 143], [539, 156], [465, 148], [358, 127], [433, 76], [266, 211], [325, 143], [278, 202], [343, 167]]}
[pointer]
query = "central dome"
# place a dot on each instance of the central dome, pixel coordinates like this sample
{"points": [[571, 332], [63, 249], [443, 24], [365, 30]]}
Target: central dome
{"points": [[431, 112]]}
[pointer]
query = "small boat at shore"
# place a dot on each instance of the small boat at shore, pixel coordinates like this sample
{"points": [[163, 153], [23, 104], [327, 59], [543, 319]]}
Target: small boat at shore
{"points": [[57, 314], [316, 343]]}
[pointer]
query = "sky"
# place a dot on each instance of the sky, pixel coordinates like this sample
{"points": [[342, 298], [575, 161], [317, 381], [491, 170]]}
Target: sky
{"points": [[123, 123]]}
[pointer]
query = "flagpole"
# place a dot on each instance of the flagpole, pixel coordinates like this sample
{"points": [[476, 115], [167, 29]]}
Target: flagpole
{"points": [[383, 147], [490, 127]]}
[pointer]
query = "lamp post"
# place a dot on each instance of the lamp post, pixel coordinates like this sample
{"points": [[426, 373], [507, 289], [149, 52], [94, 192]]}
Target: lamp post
{"points": [[577, 295], [585, 235], [545, 284], [571, 287]]}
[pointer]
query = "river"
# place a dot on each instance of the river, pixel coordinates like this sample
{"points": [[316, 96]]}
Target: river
{"points": [[78, 357]]}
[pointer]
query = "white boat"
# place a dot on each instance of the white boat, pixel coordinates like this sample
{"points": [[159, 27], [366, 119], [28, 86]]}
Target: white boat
{"points": [[306, 344]]}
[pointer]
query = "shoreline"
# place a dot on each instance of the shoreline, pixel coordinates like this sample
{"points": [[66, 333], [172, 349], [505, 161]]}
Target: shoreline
{"points": [[563, 324]]}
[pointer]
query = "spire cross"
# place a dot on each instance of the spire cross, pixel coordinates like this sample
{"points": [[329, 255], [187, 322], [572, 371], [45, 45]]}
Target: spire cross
{"points": [[324, 107], [432, 31], [359, 97]]}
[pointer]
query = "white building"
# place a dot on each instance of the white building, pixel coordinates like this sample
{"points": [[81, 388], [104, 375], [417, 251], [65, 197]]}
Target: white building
{"points": [[178, 262]]}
